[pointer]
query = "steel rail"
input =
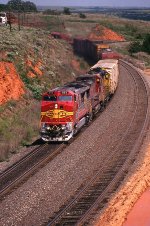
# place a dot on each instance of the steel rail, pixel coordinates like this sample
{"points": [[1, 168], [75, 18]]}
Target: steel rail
{"points": [[30, 163]]}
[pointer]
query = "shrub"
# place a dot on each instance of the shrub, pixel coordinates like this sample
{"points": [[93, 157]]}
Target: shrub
{"points": [[146, 44], [36, 90], [134, 47], [66, 11], [81, 15]]}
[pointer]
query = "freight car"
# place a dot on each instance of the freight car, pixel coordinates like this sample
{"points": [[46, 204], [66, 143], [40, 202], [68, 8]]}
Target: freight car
{"points": [[95, 50], [64, 110], [111, 66]]}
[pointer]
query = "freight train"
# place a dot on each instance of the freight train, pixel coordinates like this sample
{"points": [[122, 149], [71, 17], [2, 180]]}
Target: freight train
{"points": [[65, 110]]}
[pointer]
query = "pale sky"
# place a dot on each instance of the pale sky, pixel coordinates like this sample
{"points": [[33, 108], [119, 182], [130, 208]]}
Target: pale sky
{"points": [[111, 3]]}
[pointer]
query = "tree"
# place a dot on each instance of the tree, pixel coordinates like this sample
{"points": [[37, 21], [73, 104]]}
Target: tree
{"points": [[146, 44], [3, 7], [29, 6], [15, 4], [81, 15], [21, 5], [67, 11], [135, 47]]}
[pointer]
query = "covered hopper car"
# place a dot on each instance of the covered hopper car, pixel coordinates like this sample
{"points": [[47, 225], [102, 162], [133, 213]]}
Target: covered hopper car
{"points": [[64, 110], [111, 66]]}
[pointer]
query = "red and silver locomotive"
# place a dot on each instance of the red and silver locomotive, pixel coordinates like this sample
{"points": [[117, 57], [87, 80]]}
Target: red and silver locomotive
{"points": [[64, 110]]}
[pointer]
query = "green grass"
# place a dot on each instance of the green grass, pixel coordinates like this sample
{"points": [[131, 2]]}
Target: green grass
{"points": [[19, 129]]}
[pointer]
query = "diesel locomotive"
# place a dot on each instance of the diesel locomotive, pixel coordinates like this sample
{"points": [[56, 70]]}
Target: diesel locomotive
{"points": [[64, 110]]}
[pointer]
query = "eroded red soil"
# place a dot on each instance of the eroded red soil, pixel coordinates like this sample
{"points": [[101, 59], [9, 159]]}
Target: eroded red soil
{"points": [[140, 214], [34, 69], [11, 86], [100, 32]]}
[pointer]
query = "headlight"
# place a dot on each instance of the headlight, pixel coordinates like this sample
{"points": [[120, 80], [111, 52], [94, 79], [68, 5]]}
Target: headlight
{"points": [[43, 125], [63, 127]]}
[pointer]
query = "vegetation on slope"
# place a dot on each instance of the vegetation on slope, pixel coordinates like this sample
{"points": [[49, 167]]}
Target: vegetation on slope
{"points": [[42, 63]]}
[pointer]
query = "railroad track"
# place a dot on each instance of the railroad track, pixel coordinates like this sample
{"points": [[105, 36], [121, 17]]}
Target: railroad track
{"points": [[95, 194], [24, 168]]}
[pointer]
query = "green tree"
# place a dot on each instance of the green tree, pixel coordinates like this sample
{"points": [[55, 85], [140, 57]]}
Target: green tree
{"points": [[29, 6], [3, 7], [135, 47], [81, 15], [146, 44], [15, 4], [21, 5], [66, 11]]}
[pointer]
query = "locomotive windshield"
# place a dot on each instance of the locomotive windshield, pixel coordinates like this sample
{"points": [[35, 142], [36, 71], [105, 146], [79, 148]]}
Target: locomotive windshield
{"points": [[50, 98], [57, 98], [65, 98]]}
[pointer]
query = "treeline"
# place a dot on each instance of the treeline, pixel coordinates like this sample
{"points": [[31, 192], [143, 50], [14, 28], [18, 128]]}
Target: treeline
{"points": [[18, 5], [3, 7], [140, 46]]}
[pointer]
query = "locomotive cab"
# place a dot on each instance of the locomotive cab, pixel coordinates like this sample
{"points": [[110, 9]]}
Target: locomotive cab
{"points": [[96, 89]]}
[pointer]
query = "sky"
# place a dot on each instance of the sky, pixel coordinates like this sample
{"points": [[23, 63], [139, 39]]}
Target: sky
{"points": [[110, 3]]}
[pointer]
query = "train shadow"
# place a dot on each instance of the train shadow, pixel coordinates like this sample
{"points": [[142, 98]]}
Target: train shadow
{"points": [[39, 141]]}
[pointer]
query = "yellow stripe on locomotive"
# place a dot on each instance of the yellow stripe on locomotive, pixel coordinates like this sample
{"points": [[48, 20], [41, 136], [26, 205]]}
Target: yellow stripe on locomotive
{"points": [[56, 114]]}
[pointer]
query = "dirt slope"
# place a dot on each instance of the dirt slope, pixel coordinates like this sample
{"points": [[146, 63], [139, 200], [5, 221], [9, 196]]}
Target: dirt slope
{"points": [[100, 32], [11, 86]]}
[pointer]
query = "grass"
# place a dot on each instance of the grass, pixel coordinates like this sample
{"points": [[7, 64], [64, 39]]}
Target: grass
{"points": [[19, 129]]}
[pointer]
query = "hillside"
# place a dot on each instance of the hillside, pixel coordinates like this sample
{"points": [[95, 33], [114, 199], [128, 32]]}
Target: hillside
{"points": [[31, 62]]}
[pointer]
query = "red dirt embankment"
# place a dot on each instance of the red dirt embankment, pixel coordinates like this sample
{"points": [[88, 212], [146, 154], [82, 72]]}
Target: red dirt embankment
{"points": [[34, 69], [11, 86], [100, 32]]}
